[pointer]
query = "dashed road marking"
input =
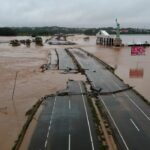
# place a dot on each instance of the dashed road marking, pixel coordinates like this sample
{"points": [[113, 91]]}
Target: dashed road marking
{"points": [[50, 123], [134, 103], [135, 125]]}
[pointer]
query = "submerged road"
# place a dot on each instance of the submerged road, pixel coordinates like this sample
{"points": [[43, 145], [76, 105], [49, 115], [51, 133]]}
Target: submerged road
{"points": [[128, 113], [66, 123]]}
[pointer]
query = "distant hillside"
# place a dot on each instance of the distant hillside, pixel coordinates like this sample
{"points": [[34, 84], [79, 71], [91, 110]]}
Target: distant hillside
{"points": [[15, 31]]}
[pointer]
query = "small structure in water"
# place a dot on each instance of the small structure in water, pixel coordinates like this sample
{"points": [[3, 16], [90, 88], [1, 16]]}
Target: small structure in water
{"points": [[15, 42], [87, 38], [104, 38]]}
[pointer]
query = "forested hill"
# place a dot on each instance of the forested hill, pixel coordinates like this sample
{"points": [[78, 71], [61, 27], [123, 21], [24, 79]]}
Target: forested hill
{"points": [[16, 31]]}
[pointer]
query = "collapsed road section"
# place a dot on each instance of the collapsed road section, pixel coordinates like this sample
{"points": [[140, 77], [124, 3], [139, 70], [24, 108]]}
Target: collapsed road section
{"points": [[66, 122], [54, 60], [65, 61], [59, 59], [128, 114]]}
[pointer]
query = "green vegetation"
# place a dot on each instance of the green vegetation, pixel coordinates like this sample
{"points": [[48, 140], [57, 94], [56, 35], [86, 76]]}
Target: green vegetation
{"points": [[46, 31], [7, 32]]}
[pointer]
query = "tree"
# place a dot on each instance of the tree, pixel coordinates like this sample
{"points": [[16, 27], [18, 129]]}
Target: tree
{"points": [[7, 32]]}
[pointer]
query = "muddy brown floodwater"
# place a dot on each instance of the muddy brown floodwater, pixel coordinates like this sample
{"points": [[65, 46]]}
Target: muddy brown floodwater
{"points": [[31, 84]]}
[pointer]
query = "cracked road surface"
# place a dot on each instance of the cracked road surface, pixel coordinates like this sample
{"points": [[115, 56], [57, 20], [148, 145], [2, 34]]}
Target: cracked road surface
{"points": [[66, 123]]}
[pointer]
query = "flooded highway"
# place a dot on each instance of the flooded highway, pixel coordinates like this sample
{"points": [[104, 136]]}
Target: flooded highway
{"points": [[128, 113]]}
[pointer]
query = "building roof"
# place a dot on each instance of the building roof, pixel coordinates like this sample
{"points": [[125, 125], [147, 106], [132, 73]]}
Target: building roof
{"points": [[103, 33]]}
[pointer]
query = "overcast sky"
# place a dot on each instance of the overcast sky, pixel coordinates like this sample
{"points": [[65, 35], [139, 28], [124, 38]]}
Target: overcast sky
{"points": [[75, 13]]}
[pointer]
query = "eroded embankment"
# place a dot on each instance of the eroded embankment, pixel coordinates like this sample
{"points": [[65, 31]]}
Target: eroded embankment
{"points": [[52, 61]]}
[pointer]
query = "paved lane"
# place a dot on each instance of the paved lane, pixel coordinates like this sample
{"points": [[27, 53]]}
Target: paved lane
{"points": [[58, 132], [128, 114], [65, 61], [40, 134], [69, 125], [81, 124]]}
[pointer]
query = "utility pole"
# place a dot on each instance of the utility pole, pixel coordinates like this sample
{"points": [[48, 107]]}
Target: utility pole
{"points": [[14, 86], [13, 102]]}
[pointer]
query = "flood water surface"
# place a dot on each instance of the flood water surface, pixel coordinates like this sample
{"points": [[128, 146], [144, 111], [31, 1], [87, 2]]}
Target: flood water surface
{"points": [[31, 85]]}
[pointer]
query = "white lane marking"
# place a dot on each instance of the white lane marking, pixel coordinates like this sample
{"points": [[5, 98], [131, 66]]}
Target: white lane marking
{"points": [[69, 142], [50, 123], [134, 103], [138, 107], [135, 125], [45, 143], [47, 134], [52, 112], [115, 124], [69, 104], [49, 128], [87, 118]]}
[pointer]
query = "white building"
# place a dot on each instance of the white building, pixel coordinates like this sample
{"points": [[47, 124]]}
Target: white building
{"points": [[104, 38]]}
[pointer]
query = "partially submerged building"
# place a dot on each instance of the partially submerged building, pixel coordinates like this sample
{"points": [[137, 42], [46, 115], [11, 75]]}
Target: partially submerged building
{"points": [[104, 38]]}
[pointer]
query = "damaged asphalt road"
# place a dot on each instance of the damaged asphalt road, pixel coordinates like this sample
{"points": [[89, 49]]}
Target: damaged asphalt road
{"points": [[66, 123], [128, 114]]}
